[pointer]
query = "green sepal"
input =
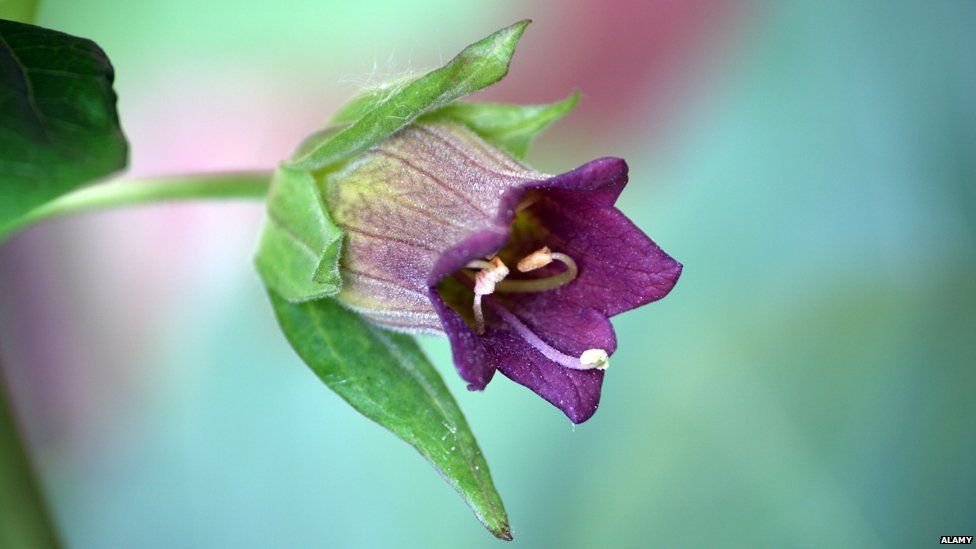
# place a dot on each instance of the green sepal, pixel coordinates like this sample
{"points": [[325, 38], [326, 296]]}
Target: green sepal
{"points": [[369, 98], [298, 256], [60, 128], [386, 377], [477, 66], [509, 127]]}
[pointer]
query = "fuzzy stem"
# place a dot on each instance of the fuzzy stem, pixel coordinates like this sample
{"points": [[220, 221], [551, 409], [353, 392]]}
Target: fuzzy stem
{"points": [[239, 185]]}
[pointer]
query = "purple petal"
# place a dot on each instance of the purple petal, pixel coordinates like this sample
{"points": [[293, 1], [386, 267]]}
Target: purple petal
{"points": [[601, 180], [620, 268], [575, 392], [470, 357], [570, 330]]}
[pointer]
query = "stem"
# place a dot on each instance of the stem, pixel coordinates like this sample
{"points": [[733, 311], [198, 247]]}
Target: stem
{"points": [[24, 521], [247, 185]]}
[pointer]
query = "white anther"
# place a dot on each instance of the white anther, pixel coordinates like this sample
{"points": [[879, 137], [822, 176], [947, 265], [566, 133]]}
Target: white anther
{"points": [[595, 359], [541, 284], [491, 273], [535, 260], [487, 278]]}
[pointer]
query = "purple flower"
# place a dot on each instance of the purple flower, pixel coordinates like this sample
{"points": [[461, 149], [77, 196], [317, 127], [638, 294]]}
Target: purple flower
{"points": [[521, 270]]}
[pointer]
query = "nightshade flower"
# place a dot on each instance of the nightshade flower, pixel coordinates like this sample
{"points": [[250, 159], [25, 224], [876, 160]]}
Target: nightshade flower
{"points": [[520, 269]]}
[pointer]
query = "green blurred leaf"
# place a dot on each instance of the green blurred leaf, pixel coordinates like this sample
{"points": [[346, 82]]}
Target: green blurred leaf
{"points": [[387, 378], [510, 127], [299, 252], [24, 521], [477, 66], [59, 127], [18, 10]]}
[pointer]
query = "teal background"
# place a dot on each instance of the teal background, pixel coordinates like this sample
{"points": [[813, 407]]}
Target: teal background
{"points": [[809, 382]]}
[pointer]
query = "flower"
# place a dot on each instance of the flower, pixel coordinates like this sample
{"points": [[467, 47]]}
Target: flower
{"points": [[437, 223]]}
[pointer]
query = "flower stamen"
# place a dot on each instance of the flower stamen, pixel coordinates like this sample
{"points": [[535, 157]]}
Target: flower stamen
{"points": [[490, 274], [535, 260], [491, 277], [590, 359], [538, 259]]}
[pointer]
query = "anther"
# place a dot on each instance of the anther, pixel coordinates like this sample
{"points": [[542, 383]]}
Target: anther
{"points": [[491, 273], [537, 259], [488, 277]]}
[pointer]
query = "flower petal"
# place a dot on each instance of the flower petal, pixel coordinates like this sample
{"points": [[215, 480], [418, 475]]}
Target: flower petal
{"points": [[470, 357], [620, 268], [567, 328]]}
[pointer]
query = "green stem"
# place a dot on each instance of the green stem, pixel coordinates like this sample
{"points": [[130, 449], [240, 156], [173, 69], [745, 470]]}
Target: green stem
{"points": [[23, 11], [247, 185], [24, 520]]}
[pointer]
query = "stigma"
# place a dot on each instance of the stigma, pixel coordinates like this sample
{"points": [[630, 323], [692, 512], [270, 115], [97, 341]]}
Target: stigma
{"points": [[591, 359]]}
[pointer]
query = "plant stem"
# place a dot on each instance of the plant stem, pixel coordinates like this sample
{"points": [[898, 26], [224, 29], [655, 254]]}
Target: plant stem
{"points": [[24, 520], [23, 11], [246, 185]]}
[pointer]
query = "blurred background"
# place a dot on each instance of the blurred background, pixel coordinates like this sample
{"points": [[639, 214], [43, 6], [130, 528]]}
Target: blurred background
{"points": [[810, 381]]}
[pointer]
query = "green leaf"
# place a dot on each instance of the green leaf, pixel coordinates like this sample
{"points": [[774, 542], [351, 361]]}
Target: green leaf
{"points": [[299, 252], [369, 98], [313, 140], [477, 66], [59, 126], [510, 127], [386, 377]]}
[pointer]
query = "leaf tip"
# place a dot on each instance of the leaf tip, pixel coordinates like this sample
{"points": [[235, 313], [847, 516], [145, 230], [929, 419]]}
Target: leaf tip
{"points": [[566, 105], [520, 25], [513, 32], [574, 98], [496, 521], [504, 533], [500, 43]]}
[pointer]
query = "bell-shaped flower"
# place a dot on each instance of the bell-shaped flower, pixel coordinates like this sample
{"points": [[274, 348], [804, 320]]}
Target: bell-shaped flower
{"points": [[520, 269]]}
